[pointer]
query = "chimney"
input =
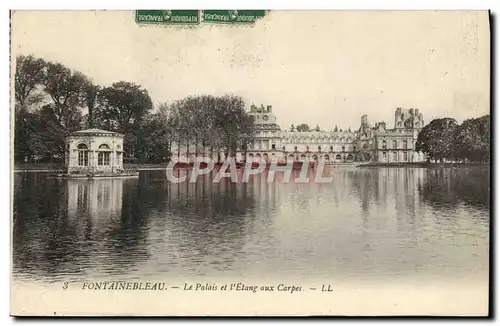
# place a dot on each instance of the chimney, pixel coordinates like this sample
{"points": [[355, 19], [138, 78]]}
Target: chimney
{"points": [[269, 108], [364, 119]]}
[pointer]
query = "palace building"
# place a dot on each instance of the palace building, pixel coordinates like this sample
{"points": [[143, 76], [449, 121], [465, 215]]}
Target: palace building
{"points": [[377, 144]]}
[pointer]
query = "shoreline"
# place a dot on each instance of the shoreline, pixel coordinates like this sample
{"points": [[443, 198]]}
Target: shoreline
{"points": [[424, 165], [159, 167]]}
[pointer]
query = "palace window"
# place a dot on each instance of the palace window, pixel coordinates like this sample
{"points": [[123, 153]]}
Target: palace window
{"points": [[394, 144], [384, 144], [331, 148], [338, 157], [307, 148], [405, 155], [354, 148], [83, 155], [283, 148], [295, 148], [343, 148], [405, 144], [103, 157], [319, 148], [384, 155], [273, 146], [395, 156]]}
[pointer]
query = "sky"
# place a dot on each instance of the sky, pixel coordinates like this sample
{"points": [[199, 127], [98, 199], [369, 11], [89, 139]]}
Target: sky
{"points": [[316, 67]]}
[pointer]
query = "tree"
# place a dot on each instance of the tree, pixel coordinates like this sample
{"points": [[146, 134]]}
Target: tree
{"points": [[317, 128], [184, 112], [303, 127], [123, 106], [92, 97], [485, 132], [157, 135], [212, 136], [292, 128], [336, 128], [61, 88], [53, 133], [472, 140], [218, 123], [66, 89], [30, 74], [437, 139], [232, 122], [25, 130]]}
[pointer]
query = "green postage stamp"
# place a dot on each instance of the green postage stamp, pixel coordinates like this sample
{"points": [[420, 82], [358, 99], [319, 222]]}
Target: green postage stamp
{"points": [[191, 17]]}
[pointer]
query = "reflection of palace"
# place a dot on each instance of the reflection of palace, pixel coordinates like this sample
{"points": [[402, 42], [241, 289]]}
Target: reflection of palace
{"points": [[367, 144]]}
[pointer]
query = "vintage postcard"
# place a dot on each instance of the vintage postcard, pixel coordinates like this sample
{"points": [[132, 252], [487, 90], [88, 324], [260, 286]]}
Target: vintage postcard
{"points": [[250, 163]]}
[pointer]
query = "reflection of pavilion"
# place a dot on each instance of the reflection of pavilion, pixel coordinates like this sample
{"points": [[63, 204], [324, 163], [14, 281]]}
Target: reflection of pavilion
{"points": [[102, 227], [95, 197]]}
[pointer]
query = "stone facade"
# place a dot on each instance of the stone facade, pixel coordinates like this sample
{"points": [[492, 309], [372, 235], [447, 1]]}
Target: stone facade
{"points": [[398, 144], [94, 151], [376, 144], [268, 136]]}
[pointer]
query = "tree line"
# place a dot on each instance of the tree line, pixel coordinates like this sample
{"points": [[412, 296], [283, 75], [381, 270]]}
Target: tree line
{"points": [[52, 101], [445, 140]]}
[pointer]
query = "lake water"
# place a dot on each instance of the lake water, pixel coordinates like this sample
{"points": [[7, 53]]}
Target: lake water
{"points": [[367, 223]]}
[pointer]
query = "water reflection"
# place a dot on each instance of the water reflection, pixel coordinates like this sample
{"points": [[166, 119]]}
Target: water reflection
{"points": [[447, 188], [199, 225], [392, 221]]}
